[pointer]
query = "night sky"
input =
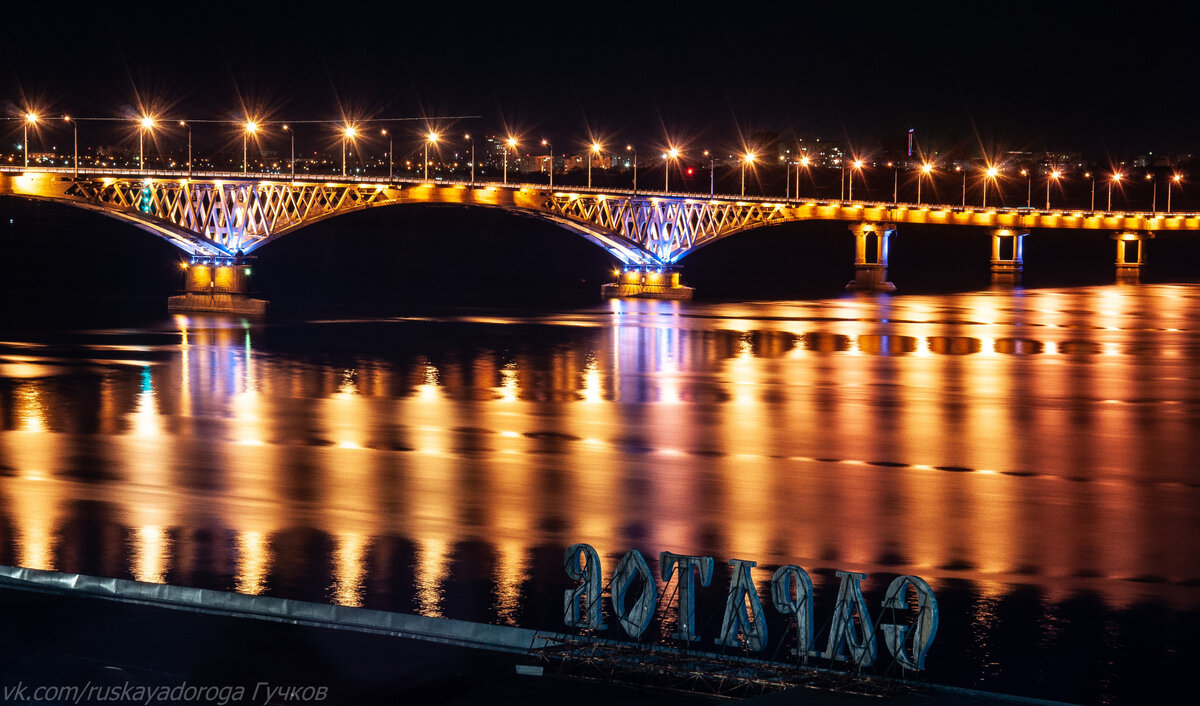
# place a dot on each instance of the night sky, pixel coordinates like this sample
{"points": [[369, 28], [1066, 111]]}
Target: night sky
{"points": [[995, 77]]}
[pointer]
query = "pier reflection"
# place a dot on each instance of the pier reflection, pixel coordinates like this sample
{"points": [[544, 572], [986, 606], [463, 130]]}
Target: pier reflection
{"points": [[1006, 438]]}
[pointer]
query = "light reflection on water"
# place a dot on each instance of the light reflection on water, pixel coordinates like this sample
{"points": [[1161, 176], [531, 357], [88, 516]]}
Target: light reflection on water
{"points": [[1004, 439]]}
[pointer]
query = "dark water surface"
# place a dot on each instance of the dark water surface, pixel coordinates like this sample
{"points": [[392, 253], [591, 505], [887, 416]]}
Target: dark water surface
{"points": [[1031, 453]]}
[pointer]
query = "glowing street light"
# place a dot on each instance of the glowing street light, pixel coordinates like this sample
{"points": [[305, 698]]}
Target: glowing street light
{"points": [[510, 143], [1028, 188], [595, 153], [30, 119], [550, 149], [292, 134], [468, 138], [926, 171], [250, 128], [1055, 175], [989, 175], [631, 148], [804, 162], [1116, 177], [144, 125], [1153, 193], [348, 133], [389, 136], [712, 174], [75, 126], [184, 123], [858, 165], [959, 168], [671, 155], [1175, 179], [747, 159], [430, 139], [1092, 176]]}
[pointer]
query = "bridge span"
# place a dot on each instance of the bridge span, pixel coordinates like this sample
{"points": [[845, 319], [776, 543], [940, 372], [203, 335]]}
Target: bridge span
{"points": [[219, 219]]}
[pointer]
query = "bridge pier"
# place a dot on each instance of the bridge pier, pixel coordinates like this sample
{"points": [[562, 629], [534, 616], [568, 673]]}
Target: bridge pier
{"points": [[646, 282], [1010, 242], [1130, 270], [871, 257], [217, 284]]}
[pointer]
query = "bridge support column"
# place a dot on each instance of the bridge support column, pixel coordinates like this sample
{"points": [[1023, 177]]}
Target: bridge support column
{"points": [[646, 282], [1008, 255], [217, 284], [1131, 255], [871, 257]]}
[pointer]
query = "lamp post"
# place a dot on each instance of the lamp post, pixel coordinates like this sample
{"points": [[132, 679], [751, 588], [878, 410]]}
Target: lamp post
{"points": [[631, 148], [75, 141], [1054, 175], [348, 134], [1028, 188], [989, 175], [511, 142], [1116, 177], [926, 171], [594, 154], [1175, 179], [712, 174], [146, 123], [895, 182], [390, 137], [292, 133], [430, 139], [858, 165], [184, 123], [787, 178], [1153, 193], [30, 119], [472, 141], [747, 159], [959, 168], [1092, 176], [251, 128], [671, 155], [550, 149], [804, 162]]}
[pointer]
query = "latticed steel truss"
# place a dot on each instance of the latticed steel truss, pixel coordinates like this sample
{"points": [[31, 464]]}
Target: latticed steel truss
{"points": [[667, 228], [230, 217]]}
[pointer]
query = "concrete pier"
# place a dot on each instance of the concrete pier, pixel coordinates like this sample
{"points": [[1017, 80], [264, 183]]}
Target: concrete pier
{"points": [[220, 285], [1008, 255], [871, 257], [1131, 254], [645, 282]]}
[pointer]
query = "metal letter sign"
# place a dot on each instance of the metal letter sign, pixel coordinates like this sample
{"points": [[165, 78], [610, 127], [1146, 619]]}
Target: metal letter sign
{"points": [[581, 605], [909, 645], [791, 592], [737, 617], [851, 626], [685, 626], [634, 621]]}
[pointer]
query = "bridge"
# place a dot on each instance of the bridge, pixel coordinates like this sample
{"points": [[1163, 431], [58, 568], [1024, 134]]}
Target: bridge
{"points": [[220, 218]]}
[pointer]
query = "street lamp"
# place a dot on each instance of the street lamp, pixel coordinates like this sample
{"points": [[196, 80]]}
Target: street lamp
{"points": [[291, 133], [787, 177], [1054, 175], [389, 136], [1092, 176], [926, 171], [804, 162], [959, 168], [472, 141], [595, 153], [348, 133], [858, 165], [430, 139], [895, 182], [672, 154], [184, 123], [550, 149], [631, 148], [75, 127], [1116, 177], [510, 143], [1175, 179], [747, 159], [30, 119], [251, 128], [1153, 193], [146, 123], [712, 174], [989, 175], [1028, 188]]}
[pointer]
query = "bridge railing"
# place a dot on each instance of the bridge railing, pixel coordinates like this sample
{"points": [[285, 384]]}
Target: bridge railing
{"points": [[181, 174]]}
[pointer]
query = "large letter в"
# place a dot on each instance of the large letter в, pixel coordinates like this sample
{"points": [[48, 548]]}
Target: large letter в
{"points": [[737, 616], [909, 643], [581, 605], [686, 623], [851, 626]]}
